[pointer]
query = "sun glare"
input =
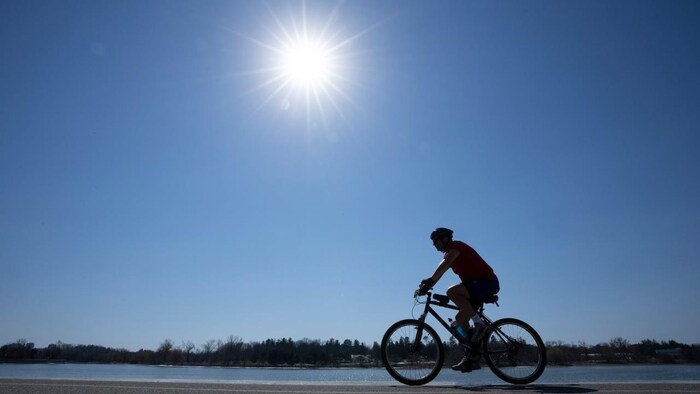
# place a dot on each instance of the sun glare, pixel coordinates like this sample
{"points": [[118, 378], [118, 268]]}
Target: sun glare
{"points": [[307, 64], [308, 69]]}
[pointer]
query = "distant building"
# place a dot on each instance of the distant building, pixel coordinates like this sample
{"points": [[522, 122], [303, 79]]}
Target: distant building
{"points": [[361, 358]]}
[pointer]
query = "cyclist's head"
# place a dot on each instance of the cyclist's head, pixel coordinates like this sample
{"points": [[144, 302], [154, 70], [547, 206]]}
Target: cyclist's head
{"points": [[440, 233], [441, 237]]}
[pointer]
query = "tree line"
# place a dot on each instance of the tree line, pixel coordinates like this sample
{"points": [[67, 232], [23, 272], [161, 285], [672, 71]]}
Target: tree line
{"points": [[619, 350], [230, 352], [330, 353]]}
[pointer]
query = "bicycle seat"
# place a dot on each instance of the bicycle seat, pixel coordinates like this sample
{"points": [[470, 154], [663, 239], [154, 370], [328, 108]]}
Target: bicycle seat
{"points": [[442, 299], [490, 299]]}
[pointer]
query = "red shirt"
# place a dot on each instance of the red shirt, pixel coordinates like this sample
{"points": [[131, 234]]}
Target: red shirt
{"points": [[469, 265]]}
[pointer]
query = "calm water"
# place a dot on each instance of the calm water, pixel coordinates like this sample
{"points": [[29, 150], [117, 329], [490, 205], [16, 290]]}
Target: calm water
{"points": [[577, 374]]}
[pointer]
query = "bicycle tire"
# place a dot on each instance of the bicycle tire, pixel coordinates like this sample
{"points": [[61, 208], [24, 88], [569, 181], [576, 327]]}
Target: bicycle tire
{"points": [[514, 351], [411, 365]]}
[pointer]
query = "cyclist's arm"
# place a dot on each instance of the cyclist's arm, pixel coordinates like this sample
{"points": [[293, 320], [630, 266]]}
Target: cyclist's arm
{"points": [[445, 264]]}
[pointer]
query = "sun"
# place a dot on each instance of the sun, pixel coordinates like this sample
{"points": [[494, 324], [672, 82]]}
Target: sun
{"points": [[306, 64]]}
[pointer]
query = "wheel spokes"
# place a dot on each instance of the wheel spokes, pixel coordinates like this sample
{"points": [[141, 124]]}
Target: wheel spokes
{"points": [[514, 351], [412, 352]]}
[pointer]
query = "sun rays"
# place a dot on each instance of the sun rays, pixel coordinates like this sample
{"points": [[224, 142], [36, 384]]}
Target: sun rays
{"points": [[307, 65]]}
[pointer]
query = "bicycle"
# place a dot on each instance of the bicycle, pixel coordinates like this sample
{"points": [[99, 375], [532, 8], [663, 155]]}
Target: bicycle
{"points": [[413, 353]]}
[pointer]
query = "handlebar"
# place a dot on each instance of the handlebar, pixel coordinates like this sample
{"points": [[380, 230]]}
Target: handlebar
{"points": [[428, 293]]}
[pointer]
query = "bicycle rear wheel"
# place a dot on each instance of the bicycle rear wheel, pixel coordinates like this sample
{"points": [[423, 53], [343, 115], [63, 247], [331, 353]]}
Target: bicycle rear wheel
{"points": [[514, 351], [412, 352]]}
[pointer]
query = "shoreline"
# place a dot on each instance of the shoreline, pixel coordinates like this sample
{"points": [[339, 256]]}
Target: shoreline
{"points": [[19, 386], [310, 366], [389, 381]]}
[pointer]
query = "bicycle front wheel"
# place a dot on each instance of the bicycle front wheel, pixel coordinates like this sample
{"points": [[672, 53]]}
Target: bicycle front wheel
{"points": [[412, 352], [514, 351]]}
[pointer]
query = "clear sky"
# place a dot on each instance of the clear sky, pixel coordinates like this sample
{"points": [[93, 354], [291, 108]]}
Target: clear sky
{"points": [[166, 171]]}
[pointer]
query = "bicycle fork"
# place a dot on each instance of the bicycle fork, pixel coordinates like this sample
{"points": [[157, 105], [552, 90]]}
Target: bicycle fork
{"points": [[418, 340]]}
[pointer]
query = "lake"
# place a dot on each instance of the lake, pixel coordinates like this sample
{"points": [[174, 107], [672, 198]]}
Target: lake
{"points": [[574, 374]]}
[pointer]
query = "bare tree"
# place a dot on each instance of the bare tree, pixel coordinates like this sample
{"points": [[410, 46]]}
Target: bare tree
{"points": [[187, 347], [619, 344], [208, 347], [166, 346], [165, 350]]}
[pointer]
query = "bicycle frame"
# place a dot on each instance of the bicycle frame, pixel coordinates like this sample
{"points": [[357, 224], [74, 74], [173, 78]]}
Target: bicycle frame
{"points": [[443, 302], [510, 347]]}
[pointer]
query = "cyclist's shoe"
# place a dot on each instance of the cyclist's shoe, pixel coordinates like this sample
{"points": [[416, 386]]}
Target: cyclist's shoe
{"points": [[477, 332], [474, 357], [466, 365]]}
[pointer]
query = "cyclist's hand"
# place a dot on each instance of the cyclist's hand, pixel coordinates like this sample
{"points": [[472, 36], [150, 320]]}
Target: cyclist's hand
{"points": [[425, 286]]}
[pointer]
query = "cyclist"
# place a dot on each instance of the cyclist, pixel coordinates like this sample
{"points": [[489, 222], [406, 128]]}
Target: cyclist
{"points": [[478, 281]]}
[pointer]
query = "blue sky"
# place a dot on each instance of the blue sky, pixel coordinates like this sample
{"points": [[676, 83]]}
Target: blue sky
{"points": [[155, 183]]}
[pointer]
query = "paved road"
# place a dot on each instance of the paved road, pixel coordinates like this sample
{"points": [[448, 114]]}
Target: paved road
{"points": [[21, 386]]}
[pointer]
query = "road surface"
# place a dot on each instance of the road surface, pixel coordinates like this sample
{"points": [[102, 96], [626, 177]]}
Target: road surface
{"points": [[22, 386]]}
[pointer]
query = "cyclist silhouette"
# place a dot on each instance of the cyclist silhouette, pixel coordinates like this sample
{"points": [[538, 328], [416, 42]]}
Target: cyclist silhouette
{"points": [[478, 281]]}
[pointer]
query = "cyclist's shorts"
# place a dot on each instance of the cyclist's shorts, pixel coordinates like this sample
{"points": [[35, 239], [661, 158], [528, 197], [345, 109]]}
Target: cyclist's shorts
{"points": [[480, 288]]}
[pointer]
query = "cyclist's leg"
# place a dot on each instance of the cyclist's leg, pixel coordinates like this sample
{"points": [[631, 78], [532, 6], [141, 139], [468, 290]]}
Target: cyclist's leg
{"points": [[478, 290], [460, 296]]}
